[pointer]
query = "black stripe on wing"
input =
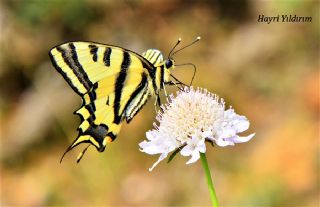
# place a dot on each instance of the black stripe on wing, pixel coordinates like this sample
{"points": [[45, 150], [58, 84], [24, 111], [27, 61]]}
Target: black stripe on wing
{"points": [[140, 89], [106, 56], [152, 72], [70, 57], [126, 61], [79, 71], [64, 75], [93, 52]]}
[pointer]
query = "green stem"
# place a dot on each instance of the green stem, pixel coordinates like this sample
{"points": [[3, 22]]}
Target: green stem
{"points": [[212, 192]]}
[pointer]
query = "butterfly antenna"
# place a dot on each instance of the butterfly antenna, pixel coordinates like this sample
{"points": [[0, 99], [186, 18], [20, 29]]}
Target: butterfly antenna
{"points": [[179, 40], [196, 40], [176, 85], [194, 70]]}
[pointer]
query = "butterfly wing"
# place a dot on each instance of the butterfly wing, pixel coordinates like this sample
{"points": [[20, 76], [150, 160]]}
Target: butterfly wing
{"points": [[114, 84]]}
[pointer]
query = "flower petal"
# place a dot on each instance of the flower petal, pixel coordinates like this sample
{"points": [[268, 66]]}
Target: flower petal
{"points": [[162, 156], [228, 132], [239, 139], [223, 142], [241, 125], [194, 158], [237, 122], [186, 150], [193, 148], [150, 148], [202, 147], [207, 134]]}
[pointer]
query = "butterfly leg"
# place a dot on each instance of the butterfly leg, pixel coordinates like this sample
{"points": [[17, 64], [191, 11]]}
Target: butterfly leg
{"points": [[157, 102], [165, 91], [178, 82], [175, 84]]}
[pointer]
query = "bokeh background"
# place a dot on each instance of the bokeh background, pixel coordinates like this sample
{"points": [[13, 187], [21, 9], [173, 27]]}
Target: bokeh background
{"points": [[267, 72]]}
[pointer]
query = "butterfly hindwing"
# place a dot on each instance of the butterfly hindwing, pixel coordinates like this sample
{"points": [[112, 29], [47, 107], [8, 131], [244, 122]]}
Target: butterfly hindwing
{"points": [[105, 114]]}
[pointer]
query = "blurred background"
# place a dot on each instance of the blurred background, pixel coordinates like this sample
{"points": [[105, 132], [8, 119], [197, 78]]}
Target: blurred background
{"points": [[267, 72]]}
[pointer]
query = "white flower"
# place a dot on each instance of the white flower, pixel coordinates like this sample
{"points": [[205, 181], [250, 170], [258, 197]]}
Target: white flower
{"points": [[190, 119]]}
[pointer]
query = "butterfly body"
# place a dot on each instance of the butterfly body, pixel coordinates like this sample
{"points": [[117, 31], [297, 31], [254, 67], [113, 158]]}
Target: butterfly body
{"points": [[114, 84]]}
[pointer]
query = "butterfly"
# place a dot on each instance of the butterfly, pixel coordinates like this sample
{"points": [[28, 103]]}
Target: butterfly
{"points": [[114, 84]]}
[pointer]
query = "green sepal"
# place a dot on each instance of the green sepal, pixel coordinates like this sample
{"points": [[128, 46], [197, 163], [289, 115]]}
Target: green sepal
{"points": [[173, 154]]}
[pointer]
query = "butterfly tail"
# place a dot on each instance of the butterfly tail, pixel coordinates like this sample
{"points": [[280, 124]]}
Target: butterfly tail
{"points": [[97, 127], [97, 136]]}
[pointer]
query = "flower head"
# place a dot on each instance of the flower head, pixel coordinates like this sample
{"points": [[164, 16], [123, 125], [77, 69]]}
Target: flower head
{"points": [[190, 119]]}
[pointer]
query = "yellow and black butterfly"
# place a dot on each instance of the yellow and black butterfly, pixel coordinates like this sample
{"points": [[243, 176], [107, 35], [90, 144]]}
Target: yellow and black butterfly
{"points": [[114, 84]]}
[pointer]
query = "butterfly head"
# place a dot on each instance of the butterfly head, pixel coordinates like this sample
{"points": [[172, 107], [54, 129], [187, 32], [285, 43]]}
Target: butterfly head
{"points": [[168, 65]]}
